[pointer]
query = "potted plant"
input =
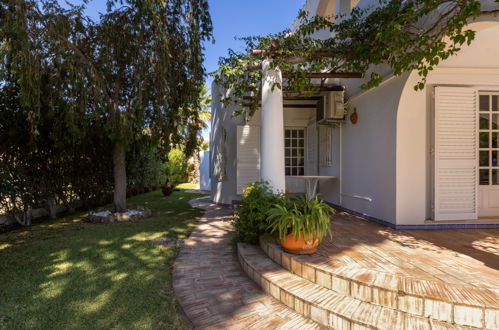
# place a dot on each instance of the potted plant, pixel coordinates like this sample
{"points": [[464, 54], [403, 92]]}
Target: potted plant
{"points": [[301, 224]]}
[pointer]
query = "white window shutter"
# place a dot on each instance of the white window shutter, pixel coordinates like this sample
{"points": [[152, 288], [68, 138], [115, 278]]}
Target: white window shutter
{"points": [[326, 146], [456, 154], [311, 151], [248, 156]]}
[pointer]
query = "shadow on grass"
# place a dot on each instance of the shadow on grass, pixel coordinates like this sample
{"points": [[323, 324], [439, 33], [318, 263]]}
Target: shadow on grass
{"points": [[70, 274]]}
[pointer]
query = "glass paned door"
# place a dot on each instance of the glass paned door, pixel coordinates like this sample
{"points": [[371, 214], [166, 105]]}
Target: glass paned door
{"points": [[294, 151], [488, 131]]}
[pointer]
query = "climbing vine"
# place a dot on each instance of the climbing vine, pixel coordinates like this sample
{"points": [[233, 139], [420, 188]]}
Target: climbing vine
{"points": [[402, 35]]}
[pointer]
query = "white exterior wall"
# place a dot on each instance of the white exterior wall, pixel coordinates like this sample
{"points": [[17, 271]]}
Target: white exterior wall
{"points": [[224, 192], [204, 170], [368, 159], [476, 65]]}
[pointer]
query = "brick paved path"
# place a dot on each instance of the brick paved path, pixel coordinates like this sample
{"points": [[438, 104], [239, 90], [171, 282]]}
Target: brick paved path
{"points": [[213, 290]]}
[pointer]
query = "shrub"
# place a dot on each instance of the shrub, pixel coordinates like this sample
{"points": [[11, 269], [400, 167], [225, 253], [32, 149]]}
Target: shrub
{"points": [[176, 168], [251, 215], [145, 169], [310, 217]]}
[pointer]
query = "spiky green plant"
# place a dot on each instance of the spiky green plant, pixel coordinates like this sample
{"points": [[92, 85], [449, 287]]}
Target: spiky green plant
{"points": [[310, 217]]}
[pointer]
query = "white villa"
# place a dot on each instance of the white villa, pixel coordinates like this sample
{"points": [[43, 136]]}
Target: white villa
{"points": [[413, 160]]}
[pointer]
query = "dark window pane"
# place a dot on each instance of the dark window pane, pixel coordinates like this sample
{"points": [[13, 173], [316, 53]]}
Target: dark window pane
{"points": [[494, 177], [495, 121], [288, 161], [494, 157], [301, 133], [484, 102], [294, 171], [302, 171], [294, 152], [288, 171], [494, 140], [495, 100], [287, 133], [287, 152], [484, 158], [484, 121], [293, 133], [484, 139], [484, 177], [301, 143]]}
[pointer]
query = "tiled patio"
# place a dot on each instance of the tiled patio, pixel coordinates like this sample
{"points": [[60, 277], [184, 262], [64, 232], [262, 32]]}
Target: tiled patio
{"points": [[457, 256], [449, 276], [366, 276]]}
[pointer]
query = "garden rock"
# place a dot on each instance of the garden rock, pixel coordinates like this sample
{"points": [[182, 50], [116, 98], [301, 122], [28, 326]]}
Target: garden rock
{"points": [[110, 217]]}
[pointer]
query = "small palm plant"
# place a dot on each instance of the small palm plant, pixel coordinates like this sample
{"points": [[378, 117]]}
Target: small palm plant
{"points": [[303, 218]]}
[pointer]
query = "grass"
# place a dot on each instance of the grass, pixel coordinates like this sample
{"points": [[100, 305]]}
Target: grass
{"points": [[68, 274]]}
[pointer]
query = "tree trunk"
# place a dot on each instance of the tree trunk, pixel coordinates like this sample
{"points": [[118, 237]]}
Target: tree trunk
{"points": [[119, 171], [52, 208]]}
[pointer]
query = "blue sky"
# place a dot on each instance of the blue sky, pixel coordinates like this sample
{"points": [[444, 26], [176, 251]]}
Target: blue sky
{"points": [[236, 18]]}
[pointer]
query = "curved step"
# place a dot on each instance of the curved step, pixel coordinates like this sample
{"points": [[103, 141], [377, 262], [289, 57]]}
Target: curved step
{"points": [[324, 306], [450, 304]]}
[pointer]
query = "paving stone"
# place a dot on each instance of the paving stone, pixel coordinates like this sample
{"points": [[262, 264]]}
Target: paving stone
{"points": [[323, 278], [384, 297], [492, 319], [360, 291], [471, 316], [213, 289], [340, 285], [438, 310], [410, 304]]}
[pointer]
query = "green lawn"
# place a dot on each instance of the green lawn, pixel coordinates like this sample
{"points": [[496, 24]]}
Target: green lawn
{"points": [[68, 274]]}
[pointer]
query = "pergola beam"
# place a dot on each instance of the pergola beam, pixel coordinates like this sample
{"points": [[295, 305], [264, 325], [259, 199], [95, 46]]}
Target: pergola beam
{"points": [[289, 106], [292, 98], [265, 53], [323, 75]]}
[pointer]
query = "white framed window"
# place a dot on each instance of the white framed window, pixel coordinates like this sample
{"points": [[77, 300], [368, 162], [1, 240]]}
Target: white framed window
{"points": [[294, 151], [488, 128]]}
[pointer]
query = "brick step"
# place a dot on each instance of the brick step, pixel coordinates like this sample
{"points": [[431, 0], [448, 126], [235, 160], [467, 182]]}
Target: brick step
{"points": [[324, 306], [445, 302]]}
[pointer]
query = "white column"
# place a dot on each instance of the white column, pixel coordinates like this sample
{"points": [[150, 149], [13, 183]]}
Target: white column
{"points": [[272, 130]]}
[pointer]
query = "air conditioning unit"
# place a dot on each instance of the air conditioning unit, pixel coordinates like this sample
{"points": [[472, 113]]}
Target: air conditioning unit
{"points": [[331, 107]]}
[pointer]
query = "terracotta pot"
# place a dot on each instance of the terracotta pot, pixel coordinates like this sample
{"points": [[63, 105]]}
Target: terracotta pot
{"points": [[298, 245]]}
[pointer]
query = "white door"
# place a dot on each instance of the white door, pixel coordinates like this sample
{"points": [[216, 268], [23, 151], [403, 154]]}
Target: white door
{"points": [[456, 149], [488, 126], [294, 153], [248, 156]]}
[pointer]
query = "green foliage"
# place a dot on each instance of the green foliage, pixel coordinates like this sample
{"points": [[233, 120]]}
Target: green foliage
{"points": [[74, 84], [310, 217], [404, 35], [176, 167], [251, 214], [146, 168]]}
